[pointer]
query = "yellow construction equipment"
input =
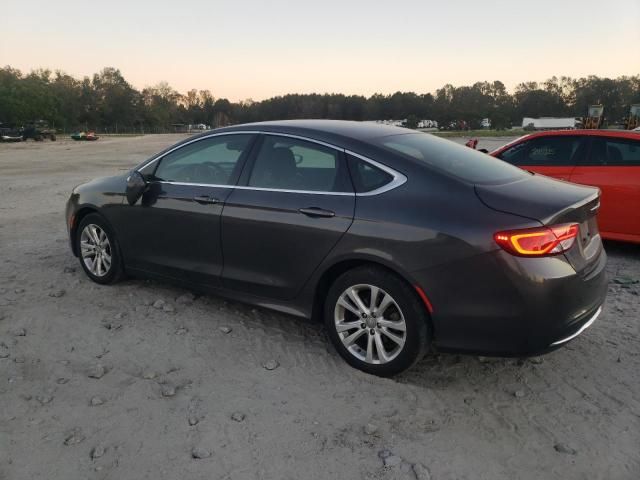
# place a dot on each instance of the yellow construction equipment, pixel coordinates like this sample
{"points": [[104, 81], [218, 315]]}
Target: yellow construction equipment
{"points": [[595, 117], [633, 120]]}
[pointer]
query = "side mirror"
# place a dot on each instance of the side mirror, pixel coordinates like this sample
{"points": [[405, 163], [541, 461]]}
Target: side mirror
{"points": [[136, 185]]}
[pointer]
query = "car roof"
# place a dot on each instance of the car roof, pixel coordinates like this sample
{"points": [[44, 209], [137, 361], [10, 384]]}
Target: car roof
{"points": [[573, 133], [340, 129], [591, 133], [351, 135]]}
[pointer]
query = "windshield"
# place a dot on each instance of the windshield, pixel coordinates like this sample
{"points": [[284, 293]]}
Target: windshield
{"points": [[449, 157]]}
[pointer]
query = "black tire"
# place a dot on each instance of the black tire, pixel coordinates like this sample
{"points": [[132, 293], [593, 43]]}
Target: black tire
{"points": [[416, 320], [115, 271]]}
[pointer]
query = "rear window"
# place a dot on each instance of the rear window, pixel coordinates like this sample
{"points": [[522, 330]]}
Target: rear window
{"points": [[366, 177], [451, 158]]}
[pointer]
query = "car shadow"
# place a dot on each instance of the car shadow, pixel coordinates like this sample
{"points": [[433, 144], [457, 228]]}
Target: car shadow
{"points": [[623, 249]]}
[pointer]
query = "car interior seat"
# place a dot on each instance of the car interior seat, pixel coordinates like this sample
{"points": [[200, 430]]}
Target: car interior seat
{"points": [[277, 169]]}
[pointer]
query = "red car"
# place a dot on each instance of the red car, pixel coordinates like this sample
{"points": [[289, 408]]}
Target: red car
{"points": [[607, 159]]}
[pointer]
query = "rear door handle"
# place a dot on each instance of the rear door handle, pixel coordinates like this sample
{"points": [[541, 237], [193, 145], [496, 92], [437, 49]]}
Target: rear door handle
{"points": [[204, 199], [316, 212]]}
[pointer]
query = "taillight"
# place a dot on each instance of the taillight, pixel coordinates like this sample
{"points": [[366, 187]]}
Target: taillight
{"points": [[538, 242]]}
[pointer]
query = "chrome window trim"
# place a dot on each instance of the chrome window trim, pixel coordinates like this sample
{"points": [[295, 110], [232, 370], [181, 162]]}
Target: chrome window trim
{"points": [[397, 180], [261, 189], [582, 329], [159, 157], [397, 177]]}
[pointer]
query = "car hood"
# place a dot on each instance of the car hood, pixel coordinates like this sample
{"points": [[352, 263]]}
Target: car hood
{"points": [[113, 184]]}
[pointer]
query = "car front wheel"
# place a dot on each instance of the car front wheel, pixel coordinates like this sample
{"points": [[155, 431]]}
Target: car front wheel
{"points": [[97, 250], [375, 321]]}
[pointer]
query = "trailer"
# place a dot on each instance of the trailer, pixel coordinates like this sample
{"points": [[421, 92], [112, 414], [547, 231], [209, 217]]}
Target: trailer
{"points": [[549, 123]]}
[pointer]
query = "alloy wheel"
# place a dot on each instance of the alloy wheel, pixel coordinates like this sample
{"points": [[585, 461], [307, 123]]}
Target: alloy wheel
{"points": [[370, 324], [95, 250]]}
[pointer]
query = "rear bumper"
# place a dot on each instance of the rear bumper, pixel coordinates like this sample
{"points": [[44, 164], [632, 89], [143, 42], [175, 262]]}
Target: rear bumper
{"points": [[498, 304], [590, 318]]}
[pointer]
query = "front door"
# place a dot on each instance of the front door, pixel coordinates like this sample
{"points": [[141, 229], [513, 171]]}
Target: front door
{"points": [[293, 204], [553, 155], [174, 229]]}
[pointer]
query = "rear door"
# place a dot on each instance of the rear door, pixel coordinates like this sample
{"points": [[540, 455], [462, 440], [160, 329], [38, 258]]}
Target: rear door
{"points": [[294, 202], [613, 165], [554, 155]]}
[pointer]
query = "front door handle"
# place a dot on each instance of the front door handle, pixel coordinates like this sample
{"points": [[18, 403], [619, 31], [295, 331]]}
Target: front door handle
{"points": [[317, 212], [204, 199]]}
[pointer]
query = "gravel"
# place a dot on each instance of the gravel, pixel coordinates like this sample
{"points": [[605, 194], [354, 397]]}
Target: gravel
{"points": [[370, 428], [168, 390], [97, 452], [96, 371], [271, 364], [392, 461], [74, 437], [193, 420], [159, 304], [564, 448], [237, 416], [200, 452], [421, 472], [44, 399], [185, 299]]}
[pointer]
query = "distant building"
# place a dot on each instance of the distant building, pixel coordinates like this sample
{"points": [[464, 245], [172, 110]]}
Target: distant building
{"points": [[403, 123], [427, 124], [188, 128]]}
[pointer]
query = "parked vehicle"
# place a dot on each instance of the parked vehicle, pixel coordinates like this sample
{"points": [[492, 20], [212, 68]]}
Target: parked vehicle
{"points": [[607, 159], [397, 240], [84, 136], [9, 134], [38, 131]]}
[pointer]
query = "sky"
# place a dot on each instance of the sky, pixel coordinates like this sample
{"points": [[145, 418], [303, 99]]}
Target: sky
{"points": [[261, 48]]}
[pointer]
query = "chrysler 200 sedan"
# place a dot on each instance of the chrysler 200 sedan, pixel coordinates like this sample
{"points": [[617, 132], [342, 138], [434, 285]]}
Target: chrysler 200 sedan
{"points": [[396, 240]]}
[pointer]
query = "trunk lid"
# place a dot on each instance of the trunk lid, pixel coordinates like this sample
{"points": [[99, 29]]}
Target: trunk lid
{"points": [[552, 202]]}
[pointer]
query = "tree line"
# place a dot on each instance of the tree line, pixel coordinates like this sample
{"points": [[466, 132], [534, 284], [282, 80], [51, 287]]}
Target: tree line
{"points": [[107, 101]]}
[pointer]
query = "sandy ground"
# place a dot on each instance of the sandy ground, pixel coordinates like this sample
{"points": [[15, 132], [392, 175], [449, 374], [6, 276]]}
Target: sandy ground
{"points": [[95, 382]]}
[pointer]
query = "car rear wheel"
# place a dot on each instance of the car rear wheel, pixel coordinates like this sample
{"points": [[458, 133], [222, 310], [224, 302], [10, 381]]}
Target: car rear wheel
{"points": [[375, 321], [97, 250]]}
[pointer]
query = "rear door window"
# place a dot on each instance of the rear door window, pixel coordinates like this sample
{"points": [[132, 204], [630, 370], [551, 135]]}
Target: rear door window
{"points": [[544, 151], [614, 152], [285, 163]]}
